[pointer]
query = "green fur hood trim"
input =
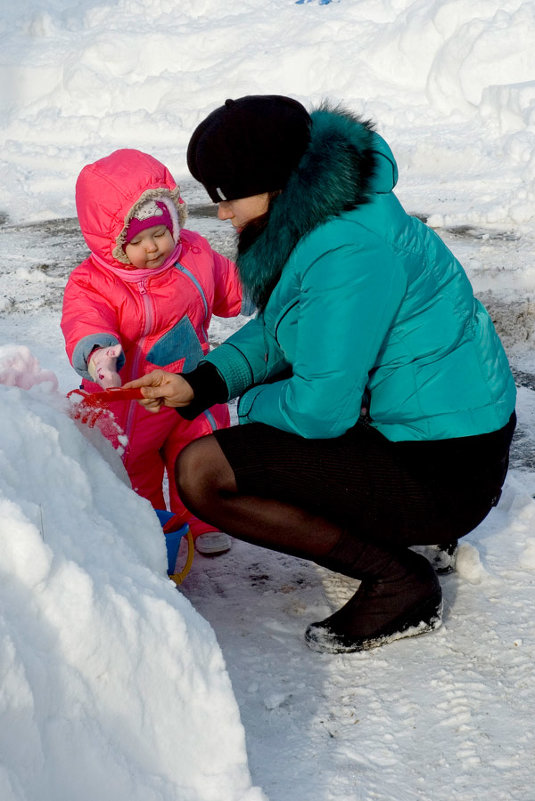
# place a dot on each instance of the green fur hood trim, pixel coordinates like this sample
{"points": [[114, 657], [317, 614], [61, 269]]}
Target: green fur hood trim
{"points": [[345, 163]]}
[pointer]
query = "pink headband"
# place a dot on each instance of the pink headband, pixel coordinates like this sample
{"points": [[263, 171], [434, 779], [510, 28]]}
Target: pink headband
{"points": [[149, 214]]}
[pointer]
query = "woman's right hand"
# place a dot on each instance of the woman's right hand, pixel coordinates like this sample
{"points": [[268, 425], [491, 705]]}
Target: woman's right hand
{"points": [[160, 388]]}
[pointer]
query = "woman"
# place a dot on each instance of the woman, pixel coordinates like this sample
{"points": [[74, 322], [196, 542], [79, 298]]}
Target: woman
{"points": [[377, 398]]}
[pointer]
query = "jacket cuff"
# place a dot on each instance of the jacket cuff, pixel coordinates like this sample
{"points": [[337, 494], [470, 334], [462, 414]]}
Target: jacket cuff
{"points": [[209, 388], [86, 345]]}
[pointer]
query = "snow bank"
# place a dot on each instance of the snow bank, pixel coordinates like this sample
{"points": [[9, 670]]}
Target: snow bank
{"points": [[450, 82], [113, 687]]}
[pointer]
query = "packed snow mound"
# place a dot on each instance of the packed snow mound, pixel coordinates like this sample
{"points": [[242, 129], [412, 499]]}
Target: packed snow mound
{"points": [[468, 564], [20, 368], [113, 686], [450, 83]]}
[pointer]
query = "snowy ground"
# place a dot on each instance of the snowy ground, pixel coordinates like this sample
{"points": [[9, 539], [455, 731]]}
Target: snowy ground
{"points": [[449, 715]]}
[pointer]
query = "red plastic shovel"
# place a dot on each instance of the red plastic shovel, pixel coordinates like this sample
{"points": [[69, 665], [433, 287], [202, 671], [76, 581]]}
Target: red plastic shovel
{"points": [[95, 405], [106, 396]]}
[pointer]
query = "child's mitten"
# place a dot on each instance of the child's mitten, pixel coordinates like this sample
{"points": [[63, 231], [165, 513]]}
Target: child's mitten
{"points": [[102, 366]]}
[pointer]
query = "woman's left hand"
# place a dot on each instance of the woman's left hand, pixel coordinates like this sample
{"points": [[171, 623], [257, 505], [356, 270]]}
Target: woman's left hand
{"points": [[160, 388]]}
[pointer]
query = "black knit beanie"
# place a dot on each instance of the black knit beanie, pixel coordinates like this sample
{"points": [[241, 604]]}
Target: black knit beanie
{"points": [[249, 146]]}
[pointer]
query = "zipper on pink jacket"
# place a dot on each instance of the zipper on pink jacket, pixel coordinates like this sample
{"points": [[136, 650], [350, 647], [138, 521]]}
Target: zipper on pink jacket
{"points": [[133, 276], [196, 283], [147, 306]]}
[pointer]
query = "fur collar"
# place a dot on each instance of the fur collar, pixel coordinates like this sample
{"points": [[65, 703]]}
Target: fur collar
{"points": [[334, 175]]}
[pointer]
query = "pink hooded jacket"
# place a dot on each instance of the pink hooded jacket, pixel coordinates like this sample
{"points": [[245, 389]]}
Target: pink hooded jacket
{"points": [[159, 316]]}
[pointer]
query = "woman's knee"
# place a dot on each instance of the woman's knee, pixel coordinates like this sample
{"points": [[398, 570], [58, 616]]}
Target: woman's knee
{"points": [[202, 470]]}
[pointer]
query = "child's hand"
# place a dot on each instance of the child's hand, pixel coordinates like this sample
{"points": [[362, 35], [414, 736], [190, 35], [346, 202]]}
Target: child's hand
{"points": [[162, 389], [102, 366]]}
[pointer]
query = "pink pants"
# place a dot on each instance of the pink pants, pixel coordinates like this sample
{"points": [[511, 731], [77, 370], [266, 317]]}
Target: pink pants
{"points": [[154, 443]]}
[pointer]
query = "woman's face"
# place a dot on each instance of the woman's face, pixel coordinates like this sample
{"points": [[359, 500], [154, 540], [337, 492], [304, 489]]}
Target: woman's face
{"points": [[242, 211]]}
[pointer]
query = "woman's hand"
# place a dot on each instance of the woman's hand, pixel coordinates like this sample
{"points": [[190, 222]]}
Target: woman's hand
{"points": [[162, 389]]}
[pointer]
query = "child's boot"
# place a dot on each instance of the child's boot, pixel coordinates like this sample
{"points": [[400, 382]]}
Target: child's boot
{"points": [[212, 543]]}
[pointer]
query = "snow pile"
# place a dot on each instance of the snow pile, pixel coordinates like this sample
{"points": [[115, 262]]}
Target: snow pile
{"points": [[468, 564], [113, 687], [20, 368], [450, 83]]}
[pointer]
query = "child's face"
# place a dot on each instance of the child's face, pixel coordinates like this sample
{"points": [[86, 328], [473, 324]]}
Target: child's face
{"points": [[151, 247]]}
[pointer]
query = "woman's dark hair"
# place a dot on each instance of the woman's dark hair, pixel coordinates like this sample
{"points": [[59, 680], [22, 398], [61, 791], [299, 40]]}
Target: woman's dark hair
{"points": [[252, 230]]}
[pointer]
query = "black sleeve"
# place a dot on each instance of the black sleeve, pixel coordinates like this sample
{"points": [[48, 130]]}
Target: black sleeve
{"points": [[208, 387]]}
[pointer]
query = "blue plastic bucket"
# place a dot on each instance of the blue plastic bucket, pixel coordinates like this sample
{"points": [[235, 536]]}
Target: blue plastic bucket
{"points": [[172, 538]]}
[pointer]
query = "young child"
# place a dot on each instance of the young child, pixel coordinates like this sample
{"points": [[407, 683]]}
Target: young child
{"points": [[143, 299]]}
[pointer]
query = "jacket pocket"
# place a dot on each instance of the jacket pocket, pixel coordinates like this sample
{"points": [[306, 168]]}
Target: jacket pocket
{"points": [[180, 342]]}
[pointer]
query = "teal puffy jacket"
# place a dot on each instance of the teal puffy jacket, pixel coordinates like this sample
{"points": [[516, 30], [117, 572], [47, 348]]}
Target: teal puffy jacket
{"points": [[367, 303]]}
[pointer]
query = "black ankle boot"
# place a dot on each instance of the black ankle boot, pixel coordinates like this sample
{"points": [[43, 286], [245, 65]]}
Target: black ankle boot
{"points": [[399, 596], [331, 638]]}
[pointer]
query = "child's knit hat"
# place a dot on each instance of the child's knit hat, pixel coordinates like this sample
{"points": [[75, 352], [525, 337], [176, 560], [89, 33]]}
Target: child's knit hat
{"points": [[146, 215], [155, 207]]}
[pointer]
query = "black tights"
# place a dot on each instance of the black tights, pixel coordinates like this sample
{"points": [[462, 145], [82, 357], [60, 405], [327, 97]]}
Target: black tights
{"points": [[295, 495], [394, 582], [270, 488], [207, 485]]}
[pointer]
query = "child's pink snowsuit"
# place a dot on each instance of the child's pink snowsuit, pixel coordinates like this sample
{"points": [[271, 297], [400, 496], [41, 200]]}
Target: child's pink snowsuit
{"points": [[160, 317]]}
